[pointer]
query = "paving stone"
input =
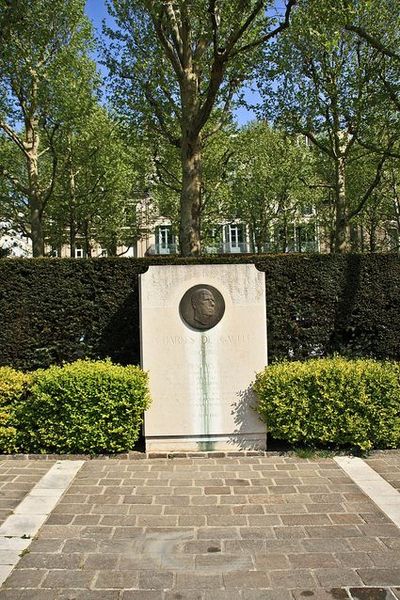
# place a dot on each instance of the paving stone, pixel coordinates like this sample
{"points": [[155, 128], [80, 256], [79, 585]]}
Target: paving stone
{"points": [[195, 581], [140, 563], [155, 580], [222, 595], [50, 561], [271, 561], [380, 577], [224, 562], [391, 542], [355, 560], [69, 546], [23, 578], [328, 594], [182, 594], [149, 531], [289, 579], [215, 533], [254, 546], [266, 595], [100, 562], [384, 530], [246, 579], [335, 531], [371, 594], [290, 532], [116, 580], [144, 595], [68, 578], [312, 560], [201, 547], [87, 595], [339, 576], [30, 594]]}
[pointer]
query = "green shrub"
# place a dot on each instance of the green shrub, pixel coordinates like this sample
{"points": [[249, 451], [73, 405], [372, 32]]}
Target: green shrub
{"points": [[85, 407], [13, 387], [332, 401]]}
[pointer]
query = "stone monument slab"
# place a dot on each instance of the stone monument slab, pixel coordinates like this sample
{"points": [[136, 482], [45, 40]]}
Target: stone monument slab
{"points": [[203, 338]]}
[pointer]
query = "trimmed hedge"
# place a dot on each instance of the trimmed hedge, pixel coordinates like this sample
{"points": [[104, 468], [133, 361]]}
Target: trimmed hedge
{"points": [[60, 310], [82, 407], [13, 390], [321, 305], [333, 401], [55, 310]]}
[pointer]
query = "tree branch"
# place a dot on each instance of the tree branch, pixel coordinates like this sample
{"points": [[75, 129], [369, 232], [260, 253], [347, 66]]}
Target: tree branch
{"points": [[158, 112], [14, 181], [214, 24], [13, 136], [316, 186], [166, 44], [391, 91], [268, 36], [225, 112], [316, 142], [159, 168], [176, 31], [372, 41], [47, 194], [376, 181]]}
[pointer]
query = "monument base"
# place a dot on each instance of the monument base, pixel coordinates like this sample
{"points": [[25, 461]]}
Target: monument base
{"points": [[207, 443]]}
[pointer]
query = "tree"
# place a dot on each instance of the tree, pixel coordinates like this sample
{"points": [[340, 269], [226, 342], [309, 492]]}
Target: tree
{"points": [[217, 156], [273, 184], [174, 63], [100, 182], [327, 91], [40, 66]]}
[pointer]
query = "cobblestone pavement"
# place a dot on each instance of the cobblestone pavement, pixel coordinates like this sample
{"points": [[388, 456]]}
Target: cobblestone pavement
{"points": [[388, 467], [16, 480], [249, 528]]}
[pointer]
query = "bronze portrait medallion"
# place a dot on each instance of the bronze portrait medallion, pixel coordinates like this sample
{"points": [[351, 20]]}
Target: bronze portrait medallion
{"points": [[202, 307]]}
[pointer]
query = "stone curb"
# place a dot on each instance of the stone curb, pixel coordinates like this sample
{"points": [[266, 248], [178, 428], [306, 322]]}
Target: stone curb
{"points": [[139, 455], [135, 455]]}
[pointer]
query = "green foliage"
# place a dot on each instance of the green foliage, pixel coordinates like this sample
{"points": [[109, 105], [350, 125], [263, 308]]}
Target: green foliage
{"points": [[48, 80], [97, 187], [83, 407], [69, 309], [271, 179], [319, 305], [332, 402], [13, 388], [333, 87], [55, 310]]}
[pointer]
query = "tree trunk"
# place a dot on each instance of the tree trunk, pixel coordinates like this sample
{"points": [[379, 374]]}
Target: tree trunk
{"points": [[35, 199], [72, 236], [342, 228], [36, 228], [72, 201], [88, 246], [36, 208], [189, 232]]}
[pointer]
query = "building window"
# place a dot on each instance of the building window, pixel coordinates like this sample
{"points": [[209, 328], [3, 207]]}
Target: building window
{"points": [[165, 240], [79, 251], [306, 239], [234, 238]]}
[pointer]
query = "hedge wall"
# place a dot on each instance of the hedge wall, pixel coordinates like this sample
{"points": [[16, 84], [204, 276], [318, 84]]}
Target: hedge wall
{"points": [[54, 310], [319, 305], [60, 310]]}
